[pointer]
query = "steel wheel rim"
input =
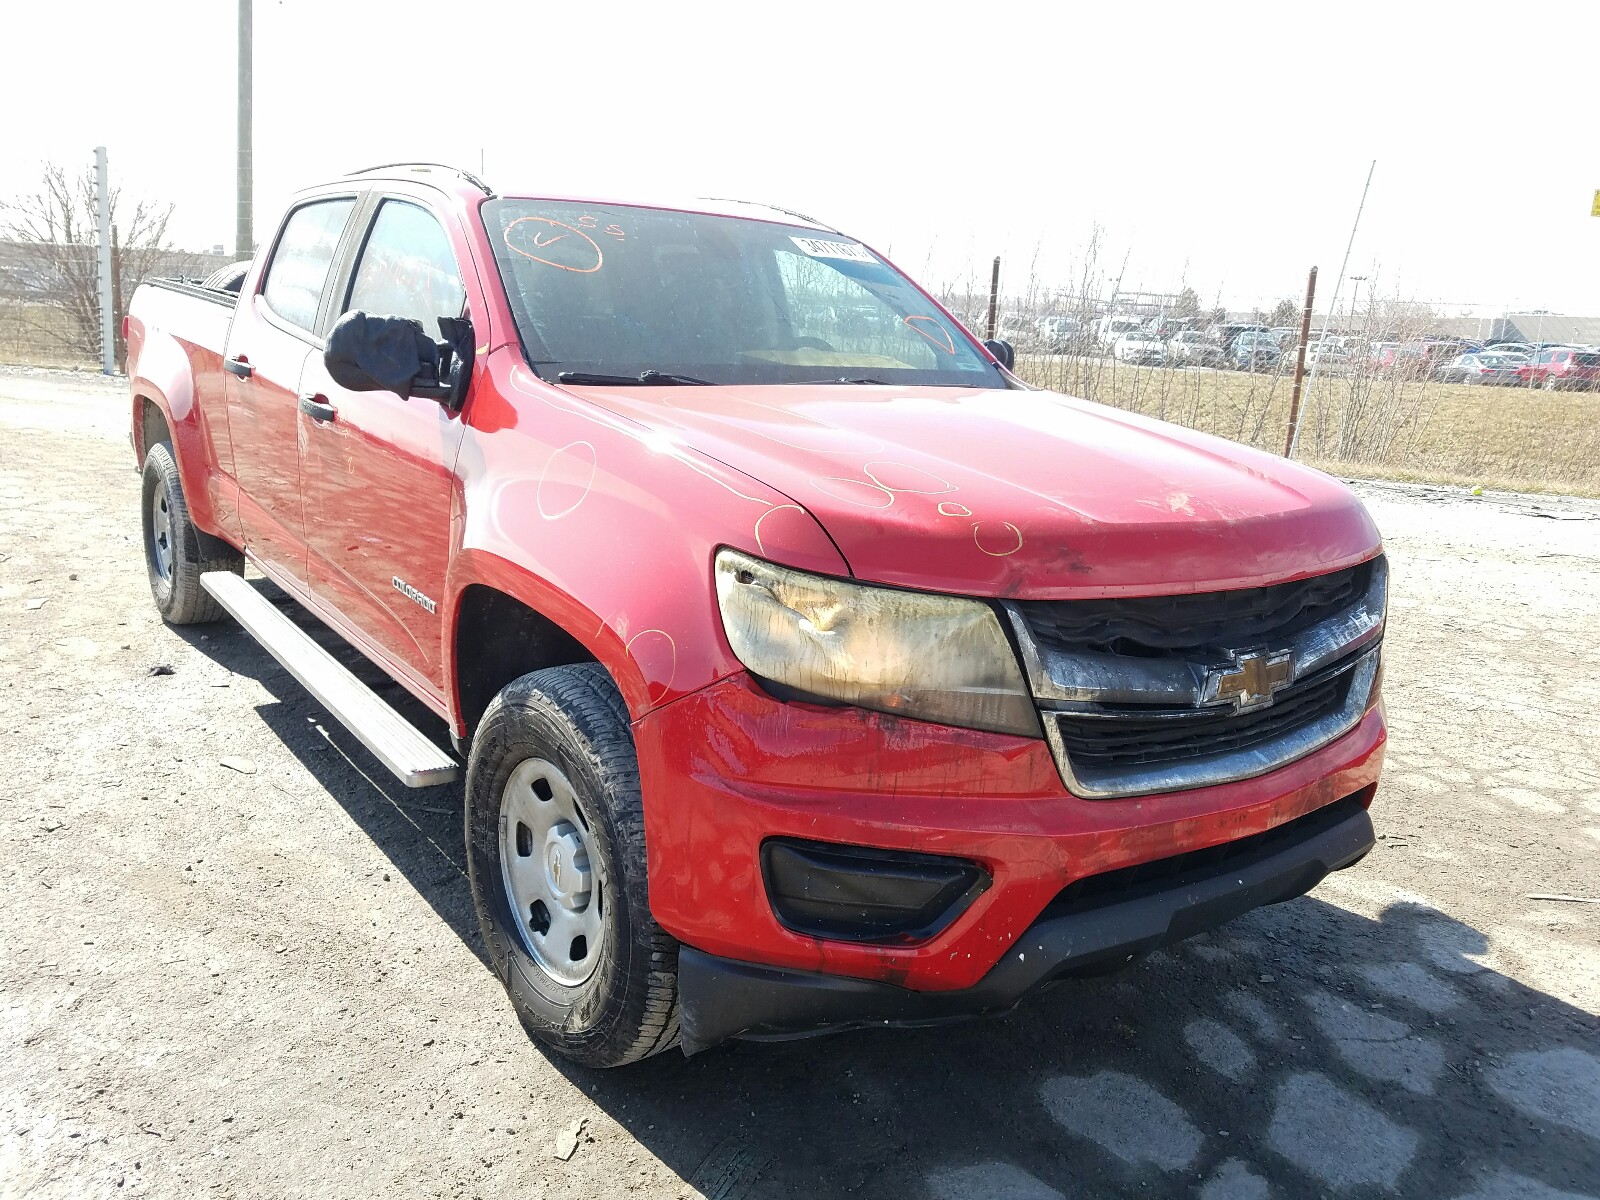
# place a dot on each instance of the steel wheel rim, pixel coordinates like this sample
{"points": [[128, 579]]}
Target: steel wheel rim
{"points": [[555, 890], [161, 533]]}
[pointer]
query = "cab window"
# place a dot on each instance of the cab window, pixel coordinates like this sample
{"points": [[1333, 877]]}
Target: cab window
{"points": [[299, 268], [407, 269]]}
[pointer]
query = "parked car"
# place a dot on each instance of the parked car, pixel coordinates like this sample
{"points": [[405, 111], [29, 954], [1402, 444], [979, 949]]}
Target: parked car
{"points": [[1526, 348], [1563, 369], [1164, 327], [1226, 334], [1060, 332], [1141, 347], [1483, 367], [1417, 358], [785, 702], [1190, 347], [1017, 329], [1329, 355], [1255, 350], [1112, 328]]}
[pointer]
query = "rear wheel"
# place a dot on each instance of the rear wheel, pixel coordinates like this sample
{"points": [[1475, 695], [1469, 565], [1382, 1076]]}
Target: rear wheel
{"points": [[1552, 383], [556, 858], [176, 554]]}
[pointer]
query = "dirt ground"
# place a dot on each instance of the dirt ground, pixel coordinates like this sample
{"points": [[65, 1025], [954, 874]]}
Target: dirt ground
{"points": [[268, 981]]}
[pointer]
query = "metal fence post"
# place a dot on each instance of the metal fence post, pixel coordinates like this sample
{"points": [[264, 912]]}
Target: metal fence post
{"points": [[1300, 367], [994, 297], [102, 201]]}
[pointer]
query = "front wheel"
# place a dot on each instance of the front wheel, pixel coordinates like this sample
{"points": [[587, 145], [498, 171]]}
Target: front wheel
{"points": [[1552, 383], [176, 554], [556, 859]]}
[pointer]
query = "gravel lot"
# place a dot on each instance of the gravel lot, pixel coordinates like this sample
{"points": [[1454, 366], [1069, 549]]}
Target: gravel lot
{"points": [[267, 981]]}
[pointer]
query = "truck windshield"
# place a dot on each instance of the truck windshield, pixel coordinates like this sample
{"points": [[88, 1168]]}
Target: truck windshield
{"points": [[621, 290]]}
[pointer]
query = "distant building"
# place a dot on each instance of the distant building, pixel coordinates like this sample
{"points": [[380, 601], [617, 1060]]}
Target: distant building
{"points": [[24, 277], [1522, 327]]}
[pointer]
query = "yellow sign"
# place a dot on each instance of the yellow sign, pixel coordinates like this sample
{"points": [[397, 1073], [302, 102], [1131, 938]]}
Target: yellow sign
{"points": [[1595, 211]]}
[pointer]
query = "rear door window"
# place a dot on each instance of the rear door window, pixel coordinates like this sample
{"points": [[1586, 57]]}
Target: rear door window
{"points": [[300, 263], [407, 269]]}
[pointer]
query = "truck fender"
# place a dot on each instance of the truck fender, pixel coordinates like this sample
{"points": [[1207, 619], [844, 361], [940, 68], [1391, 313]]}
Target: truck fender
{"points": [[165, 379], [586, 525]]}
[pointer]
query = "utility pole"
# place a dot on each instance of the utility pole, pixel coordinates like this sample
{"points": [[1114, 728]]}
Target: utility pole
{"points": [[244, 242], [102, 204], [1338, 287], [1355, 295]]}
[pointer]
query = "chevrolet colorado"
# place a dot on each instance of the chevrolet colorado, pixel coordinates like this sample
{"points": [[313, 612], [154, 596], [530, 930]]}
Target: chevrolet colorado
{"points": [[808, 669]]}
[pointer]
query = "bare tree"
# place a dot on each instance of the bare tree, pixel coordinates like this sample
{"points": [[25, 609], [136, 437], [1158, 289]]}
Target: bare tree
{"points": [[53, 261], [1187, 305]]}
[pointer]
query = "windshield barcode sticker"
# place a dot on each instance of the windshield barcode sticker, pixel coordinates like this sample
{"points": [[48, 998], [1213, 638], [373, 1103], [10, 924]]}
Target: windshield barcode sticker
{"points": [[816, 248]]}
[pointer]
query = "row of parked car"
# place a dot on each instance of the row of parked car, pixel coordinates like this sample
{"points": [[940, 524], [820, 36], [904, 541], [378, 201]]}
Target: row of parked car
{"points": [[1152, 341], [1555, 368], [1155, 341]]}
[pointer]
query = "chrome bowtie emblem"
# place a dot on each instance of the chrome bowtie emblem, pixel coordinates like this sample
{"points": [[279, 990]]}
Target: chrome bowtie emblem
{"points": [[1252, 680]]}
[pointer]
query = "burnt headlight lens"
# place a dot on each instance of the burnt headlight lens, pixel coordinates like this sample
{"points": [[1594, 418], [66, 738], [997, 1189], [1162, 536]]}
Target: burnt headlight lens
{"points": [[915, 654]]}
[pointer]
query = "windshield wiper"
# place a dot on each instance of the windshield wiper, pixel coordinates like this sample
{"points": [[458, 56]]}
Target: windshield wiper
{"points": [[844, 379], [584, 378]]}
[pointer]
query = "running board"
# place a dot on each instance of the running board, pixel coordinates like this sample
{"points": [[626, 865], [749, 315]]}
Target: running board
{"points": [[396, 743]]}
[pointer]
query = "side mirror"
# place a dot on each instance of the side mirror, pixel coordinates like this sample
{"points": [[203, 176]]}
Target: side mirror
{"points": [[1002, 350], [368, 353]]}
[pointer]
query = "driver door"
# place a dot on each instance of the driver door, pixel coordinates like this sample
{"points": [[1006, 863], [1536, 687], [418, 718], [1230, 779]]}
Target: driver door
{"points": [[380, 488]]}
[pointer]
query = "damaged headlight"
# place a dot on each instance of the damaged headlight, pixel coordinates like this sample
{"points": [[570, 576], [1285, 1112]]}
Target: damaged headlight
{"points": [[936, 658]]}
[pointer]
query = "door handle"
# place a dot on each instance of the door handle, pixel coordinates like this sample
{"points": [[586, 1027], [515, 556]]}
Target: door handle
{"points": [[317, 407], [239, 366]]}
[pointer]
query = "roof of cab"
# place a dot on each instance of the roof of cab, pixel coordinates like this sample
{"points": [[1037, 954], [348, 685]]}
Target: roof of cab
{"points": [[469, 189]]}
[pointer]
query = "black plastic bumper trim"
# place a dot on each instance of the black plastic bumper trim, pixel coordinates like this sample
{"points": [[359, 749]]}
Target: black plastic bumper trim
{"points": [[721, 999], [862, 893]]}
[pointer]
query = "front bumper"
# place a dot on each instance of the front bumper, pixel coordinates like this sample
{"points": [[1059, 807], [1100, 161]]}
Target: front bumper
{"points": [[728, 768], [1076, 935]]}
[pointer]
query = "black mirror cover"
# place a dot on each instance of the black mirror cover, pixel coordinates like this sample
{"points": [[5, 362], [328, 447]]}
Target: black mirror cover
{"points": [[459, 356], [1003, 350], [379, 354]]}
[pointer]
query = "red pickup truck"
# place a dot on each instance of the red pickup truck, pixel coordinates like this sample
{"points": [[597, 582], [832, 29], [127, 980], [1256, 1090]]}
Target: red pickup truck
{"points": [[808, 668]]}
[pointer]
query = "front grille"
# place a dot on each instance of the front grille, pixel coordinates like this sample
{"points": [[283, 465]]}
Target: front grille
{"points": [[1140, 736], [1132, 693], [1179, 626]]}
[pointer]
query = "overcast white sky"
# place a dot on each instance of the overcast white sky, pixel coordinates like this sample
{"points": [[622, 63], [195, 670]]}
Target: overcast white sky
{"points": [[1221, 143]]}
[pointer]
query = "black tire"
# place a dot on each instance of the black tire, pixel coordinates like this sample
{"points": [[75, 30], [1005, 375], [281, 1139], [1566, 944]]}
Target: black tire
{"points": [[186, 552], [229, 278], [574, 718]]}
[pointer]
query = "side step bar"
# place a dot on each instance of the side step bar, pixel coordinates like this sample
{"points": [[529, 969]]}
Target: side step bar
{"points": [[397, 743]]}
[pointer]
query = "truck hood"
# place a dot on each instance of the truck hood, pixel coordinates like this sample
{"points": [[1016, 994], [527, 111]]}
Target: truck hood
{"points": [[1024, 494]]}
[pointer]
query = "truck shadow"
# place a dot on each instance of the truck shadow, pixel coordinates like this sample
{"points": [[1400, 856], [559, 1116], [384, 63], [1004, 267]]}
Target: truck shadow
{"points": [[1302, 1050], [418, 829]]}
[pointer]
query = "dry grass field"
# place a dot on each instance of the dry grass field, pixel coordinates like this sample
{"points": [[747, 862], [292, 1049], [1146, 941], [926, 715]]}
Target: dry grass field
{"points": [[36, 335], [1364, 424]]}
